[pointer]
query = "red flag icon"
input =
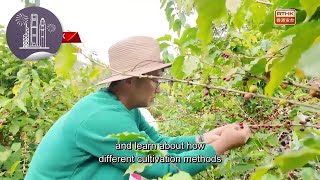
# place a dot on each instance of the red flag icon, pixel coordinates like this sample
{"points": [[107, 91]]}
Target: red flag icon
{"points": [[71, 37]]}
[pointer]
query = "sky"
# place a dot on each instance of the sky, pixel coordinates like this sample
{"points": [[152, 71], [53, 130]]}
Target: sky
{"points": [[100, 23]]}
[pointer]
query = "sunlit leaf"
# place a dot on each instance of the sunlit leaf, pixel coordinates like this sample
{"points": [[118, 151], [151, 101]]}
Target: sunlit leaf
{"points": [[188, 5], [137, 167], [233, 5], [259, 172], [309, 62], [65, 59], [20, 104], [16, 89], [295, 159], [128, 136], [177, 26], [258, 11], [308, 174], [181, 175], [208, 10], [177, 68], [258, 66], [305, 35], [310, 6], [5, 155], [190, 65], [15, 146], [13, 167], [313, 143], [269, 177], [166, 37], [14, 128], [39, 135]]}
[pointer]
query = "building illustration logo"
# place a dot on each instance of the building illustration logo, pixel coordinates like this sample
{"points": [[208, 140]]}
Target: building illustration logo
{"points": [[34, 33]]}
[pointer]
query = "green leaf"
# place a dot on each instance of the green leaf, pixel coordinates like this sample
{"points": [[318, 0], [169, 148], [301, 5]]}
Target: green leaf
{"points": [[14, 128], [15, 146], [259, 172], [309, 62], [208, 10], [65, 59], [258, 11], [181, 175], [35, 75], [241, 168], [128, 136], [164, 46], [265, 45], [5, 155], [167, 57], [305, 35], [188, 6], [233, 5], [177, 26], [310, 6], [268, 23], [163, 2], [198, 105], [93, 74], [259, 66], [22, 73], [166, 37], [308, 174], [182, 18], [296, 159], [168, 11], [273, 140], [269, 177], [13, 167], [187, 35], [20, 104], [137, 167], [313, 143], [240, 17], [269, 18], [190, 65], [39, 135], [4, 101], [177, 68]]}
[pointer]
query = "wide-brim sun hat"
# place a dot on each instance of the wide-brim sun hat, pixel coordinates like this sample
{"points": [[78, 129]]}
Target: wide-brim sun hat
{"points": [[133, 57]]}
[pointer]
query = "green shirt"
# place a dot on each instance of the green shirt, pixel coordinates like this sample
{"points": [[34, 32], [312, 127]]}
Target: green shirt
{"points": [[72, 146]]}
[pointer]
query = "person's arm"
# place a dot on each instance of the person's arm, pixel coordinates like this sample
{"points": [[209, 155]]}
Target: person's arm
{"points": [[91, 137], [209, 137]]}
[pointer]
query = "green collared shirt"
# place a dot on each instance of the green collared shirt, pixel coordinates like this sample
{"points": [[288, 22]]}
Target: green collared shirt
{"points": [[72, 146]]}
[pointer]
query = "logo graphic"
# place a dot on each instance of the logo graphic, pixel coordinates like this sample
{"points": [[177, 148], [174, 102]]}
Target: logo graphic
{"points": [[34, 33], [71, 37], [285, 17]]}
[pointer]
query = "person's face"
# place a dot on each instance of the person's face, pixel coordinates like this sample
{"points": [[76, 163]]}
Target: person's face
{"points": [[146, 89]]}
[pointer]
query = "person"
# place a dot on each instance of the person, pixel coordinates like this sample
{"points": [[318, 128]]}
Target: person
{"points": [[149, 118], [77, 146]]}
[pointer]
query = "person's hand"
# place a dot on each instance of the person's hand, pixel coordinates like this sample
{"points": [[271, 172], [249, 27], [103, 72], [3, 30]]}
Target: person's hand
{"points": [[231, 137], [214, 134]]}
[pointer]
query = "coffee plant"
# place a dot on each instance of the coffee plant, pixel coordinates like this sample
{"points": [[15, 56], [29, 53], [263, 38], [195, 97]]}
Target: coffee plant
{"points": [[234, 65], [33, 95]]}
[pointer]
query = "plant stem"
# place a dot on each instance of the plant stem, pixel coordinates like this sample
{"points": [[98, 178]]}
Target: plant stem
{"points": [[233, 90], [264, 2]]}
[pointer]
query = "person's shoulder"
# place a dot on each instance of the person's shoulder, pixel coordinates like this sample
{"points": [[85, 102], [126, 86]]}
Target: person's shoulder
{"points": [[100, 97]]}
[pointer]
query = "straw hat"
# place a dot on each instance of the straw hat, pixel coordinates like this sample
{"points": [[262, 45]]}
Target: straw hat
{"points": [[134, 56]]}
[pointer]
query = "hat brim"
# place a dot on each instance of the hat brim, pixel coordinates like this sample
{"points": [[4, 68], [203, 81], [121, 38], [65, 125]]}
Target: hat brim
{"points": [[137, 72]]}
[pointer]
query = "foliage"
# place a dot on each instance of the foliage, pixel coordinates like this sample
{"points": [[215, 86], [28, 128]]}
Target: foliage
{"points": [[236, 47], [33, 95]]}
